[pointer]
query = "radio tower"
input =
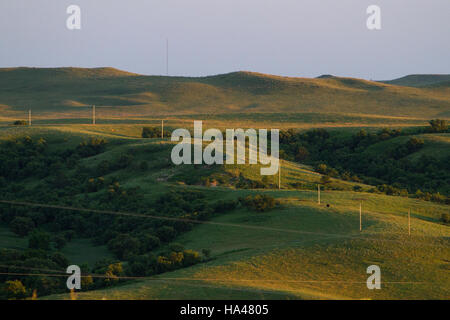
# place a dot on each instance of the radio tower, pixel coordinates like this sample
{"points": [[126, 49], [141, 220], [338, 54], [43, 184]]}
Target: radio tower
{"points": [[167, 56]]}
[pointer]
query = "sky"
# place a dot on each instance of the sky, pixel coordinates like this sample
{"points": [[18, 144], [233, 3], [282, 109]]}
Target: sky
{"points": [[302, 38]]}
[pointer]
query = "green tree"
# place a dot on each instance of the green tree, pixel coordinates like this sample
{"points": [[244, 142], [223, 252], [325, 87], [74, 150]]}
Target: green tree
{"points": [[39, 240], [325, 180], [15, 289], [438, 125], [302, 154], [22, 226]]}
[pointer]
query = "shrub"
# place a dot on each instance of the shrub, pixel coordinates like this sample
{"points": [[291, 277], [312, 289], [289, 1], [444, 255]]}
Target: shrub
{"points": [[224, 206], [148, 242], [39, 240], [124, 161], [206, 253], [259, 202], [20, 123], [22, 226], [438, 125], [15, 289], [143, 166], [445, 218], [166, 233], [325, 180], [152, 132], [60, 241], [177, 247], [191, 257], [124, 246]]}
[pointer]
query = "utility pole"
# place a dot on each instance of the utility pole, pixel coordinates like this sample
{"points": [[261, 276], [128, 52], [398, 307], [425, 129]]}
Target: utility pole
{"points": [[360, 216], [318, 193], [409, 221], [162, 129], [93, 115], [29, 117]]}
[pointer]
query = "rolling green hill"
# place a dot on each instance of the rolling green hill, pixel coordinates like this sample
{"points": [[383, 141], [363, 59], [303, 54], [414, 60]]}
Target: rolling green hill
{"points": [[421, 80], [300, 250], [67, 91]]}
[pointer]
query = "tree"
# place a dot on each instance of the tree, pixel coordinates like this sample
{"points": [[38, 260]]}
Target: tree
{"points": [[438, 125], [15, 289], [166, 233], [39, 240], [302, 154], [151, 132], [445, 218], [325, 180], [148, 242], [259, 202], [414, 144], [22, 226], [113, 272], [322, 168], [143, 166], [206, 253], [60, 241], [191, 257], [176, 247], [60, 260], [124, 246]]}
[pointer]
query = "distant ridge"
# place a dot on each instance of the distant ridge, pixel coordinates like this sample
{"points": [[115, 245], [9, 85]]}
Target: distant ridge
{"points": [[66, 89], [325, 76], [420, 80]]}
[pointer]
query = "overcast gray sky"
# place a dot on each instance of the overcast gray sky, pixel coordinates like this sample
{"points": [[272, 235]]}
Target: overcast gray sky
{"points": [[285, 37]]}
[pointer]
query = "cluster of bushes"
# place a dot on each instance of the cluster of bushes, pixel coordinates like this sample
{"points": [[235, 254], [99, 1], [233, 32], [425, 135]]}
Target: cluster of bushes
{"points": [[438, 125], [259, 202], [445, 218], [20, 123], [61, 178], [347, 157], [154, 132], [30, 261]]}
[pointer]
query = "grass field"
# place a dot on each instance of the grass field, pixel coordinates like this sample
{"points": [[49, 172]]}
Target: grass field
{"points": [[300, 251], [69, 93], [321, 254]]}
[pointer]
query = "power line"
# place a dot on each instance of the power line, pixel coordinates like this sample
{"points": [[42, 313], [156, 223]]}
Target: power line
{"points": [[367, 236], [204, 279]]}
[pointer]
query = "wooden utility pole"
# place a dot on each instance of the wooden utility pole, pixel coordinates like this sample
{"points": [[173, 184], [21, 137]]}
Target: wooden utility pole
{"points": [[29, 117], [162, 129], [360, 216], [318, 193], [93, 114], [409, 221]]}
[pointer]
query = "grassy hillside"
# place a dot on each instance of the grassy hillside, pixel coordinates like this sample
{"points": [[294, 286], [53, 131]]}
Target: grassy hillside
{"points": [[421, 80], [300, 250], [327, 261], [65, 92]]}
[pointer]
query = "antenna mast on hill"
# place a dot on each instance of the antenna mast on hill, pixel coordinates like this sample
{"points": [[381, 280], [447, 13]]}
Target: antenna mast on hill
{"points": [[167, 56]]}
